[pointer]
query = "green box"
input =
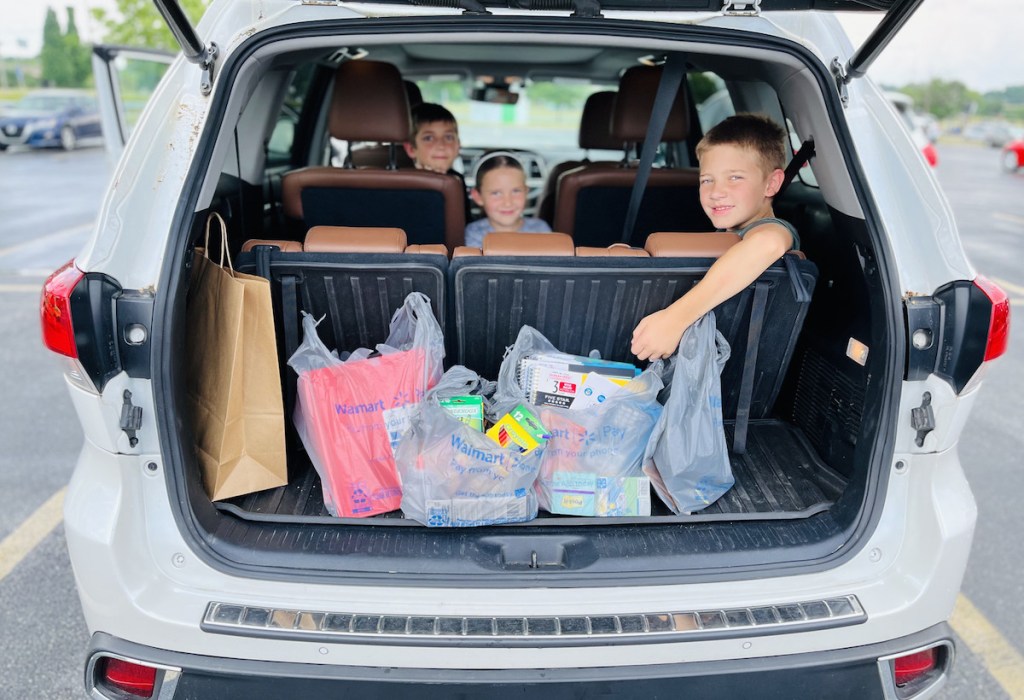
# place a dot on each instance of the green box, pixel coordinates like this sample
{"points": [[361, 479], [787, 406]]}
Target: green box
{"points": [[468, 409]]}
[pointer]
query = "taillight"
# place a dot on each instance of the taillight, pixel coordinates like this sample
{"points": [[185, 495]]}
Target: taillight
{"points": [[917, 672], [55, 309], [999, 321], [909, 668], [134, 679]]}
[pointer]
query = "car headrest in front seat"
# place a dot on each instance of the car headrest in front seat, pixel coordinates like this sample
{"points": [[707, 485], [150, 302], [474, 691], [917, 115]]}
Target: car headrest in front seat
{"points": [[596, 122], [635, 101], [369, 103]]}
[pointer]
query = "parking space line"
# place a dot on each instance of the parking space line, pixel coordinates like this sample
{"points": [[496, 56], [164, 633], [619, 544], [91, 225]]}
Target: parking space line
{"points": [[1004, 663], [63, 233], [30, 533], [1008, 286], [33, 288]]}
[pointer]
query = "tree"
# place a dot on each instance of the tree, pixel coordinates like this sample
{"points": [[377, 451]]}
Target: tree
{"points": [[138, 23], [64, 60], [941, 98], [56, 70], [77, 55]]}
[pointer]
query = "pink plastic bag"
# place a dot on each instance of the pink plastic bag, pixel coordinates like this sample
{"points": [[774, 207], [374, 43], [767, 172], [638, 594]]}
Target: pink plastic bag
{"points": [[350, 415]]}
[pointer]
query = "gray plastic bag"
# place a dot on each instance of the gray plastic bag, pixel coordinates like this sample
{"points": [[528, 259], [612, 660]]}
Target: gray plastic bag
{"points": [[593, 457], [455, 476], [687, 458], [592, 461]]}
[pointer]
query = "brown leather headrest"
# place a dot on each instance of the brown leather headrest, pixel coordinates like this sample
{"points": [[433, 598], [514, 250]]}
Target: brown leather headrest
{"points": [[466, 251], [690, 245], [632, 113], [615, 250], [596, 122], [427, 249], [369, 103], [355, 239], [503, 243], [285, 246]]}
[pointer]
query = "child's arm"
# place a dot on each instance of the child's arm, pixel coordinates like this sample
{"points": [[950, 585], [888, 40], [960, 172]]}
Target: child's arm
{"points": [[658, 334]]}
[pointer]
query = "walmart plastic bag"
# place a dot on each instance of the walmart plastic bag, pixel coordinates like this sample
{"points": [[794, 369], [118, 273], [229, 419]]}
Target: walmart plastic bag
{"points": [[508, 392], [594, 456], [455, 476], [351, 413], [687, 457]]}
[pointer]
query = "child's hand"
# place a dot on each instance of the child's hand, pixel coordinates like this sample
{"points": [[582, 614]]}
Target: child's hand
{"points": [[657, 335]]}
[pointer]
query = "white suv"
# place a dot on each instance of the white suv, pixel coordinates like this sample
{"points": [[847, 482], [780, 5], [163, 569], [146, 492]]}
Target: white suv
{"points": [[828, 570]]}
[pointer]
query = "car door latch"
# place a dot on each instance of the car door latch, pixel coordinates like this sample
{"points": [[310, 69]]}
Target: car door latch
{"points": [[131, 418], [922, 418], [741, 8]]}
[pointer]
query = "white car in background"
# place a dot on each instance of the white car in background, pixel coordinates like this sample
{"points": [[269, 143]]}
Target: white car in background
{"points": [[828, 571], [917, 125]]}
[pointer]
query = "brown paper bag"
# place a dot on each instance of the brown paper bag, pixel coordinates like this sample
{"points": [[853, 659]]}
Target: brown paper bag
{"points": [[233, 383]]}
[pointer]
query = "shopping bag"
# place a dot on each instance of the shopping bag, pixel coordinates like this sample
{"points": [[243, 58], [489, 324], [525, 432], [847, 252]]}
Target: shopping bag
{"points": [[593, 464], [686, 457], [234, 388], [351, 413], [593, 460], [454, 475]]}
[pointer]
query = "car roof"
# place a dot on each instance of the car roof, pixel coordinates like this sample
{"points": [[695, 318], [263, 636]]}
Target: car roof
{"points": [[584, 6]]}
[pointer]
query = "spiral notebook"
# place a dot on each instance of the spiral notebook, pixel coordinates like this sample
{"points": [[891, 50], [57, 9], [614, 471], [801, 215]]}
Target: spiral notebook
{"points": [[561, 380]]}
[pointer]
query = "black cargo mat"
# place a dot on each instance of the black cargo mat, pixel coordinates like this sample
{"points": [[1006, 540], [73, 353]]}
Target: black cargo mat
{"points": [[778, 478]]}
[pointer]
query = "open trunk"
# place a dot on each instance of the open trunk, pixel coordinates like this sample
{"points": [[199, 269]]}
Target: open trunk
{"points": [[802, 484]]}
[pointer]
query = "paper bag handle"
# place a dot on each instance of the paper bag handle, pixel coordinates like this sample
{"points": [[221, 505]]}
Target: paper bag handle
{"points": [[224, 252]]}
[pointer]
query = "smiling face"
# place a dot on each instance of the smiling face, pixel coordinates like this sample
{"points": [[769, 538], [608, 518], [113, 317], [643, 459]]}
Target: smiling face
{"points": [[502, 195], [735, 190], [435, 146]]}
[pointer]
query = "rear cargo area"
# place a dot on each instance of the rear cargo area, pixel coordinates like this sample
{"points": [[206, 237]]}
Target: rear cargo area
{"points": [[802, 417], [779, 476], [583, 304]]}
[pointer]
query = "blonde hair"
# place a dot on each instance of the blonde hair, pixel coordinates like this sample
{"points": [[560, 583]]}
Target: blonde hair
{"points": [[756, 132]]}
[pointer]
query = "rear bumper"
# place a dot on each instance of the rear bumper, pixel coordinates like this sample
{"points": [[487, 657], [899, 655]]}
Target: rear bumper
{"points": [[855, 674]]}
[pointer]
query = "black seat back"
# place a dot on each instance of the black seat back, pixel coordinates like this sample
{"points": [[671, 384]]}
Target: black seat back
{"points": [[592, 201], [370, 103], [582, 304], [595, 133]]}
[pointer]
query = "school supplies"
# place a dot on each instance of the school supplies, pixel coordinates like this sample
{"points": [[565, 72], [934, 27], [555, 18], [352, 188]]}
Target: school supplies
{"points": [[518, 428], [561, 380], [468, 409]]}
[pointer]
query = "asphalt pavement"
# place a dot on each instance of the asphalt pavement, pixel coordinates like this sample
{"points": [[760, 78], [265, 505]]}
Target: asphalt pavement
{"points": [[48, 202]]}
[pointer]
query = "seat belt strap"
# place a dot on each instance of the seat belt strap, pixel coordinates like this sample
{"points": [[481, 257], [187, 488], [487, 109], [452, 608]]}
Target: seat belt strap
{"points": [[757, 310], [289, 319], [671, 76], [802, 155]]}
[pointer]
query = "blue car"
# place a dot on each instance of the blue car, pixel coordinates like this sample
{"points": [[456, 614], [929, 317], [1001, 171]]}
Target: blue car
{"points": [[51, 118]]}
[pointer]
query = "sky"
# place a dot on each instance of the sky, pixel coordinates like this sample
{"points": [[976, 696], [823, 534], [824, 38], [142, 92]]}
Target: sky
{"points": [[973, 41]]}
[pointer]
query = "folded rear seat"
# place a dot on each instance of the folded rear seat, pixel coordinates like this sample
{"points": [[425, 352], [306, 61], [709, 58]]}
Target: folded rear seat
{"points": [[585, 302], [355, 277]]}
